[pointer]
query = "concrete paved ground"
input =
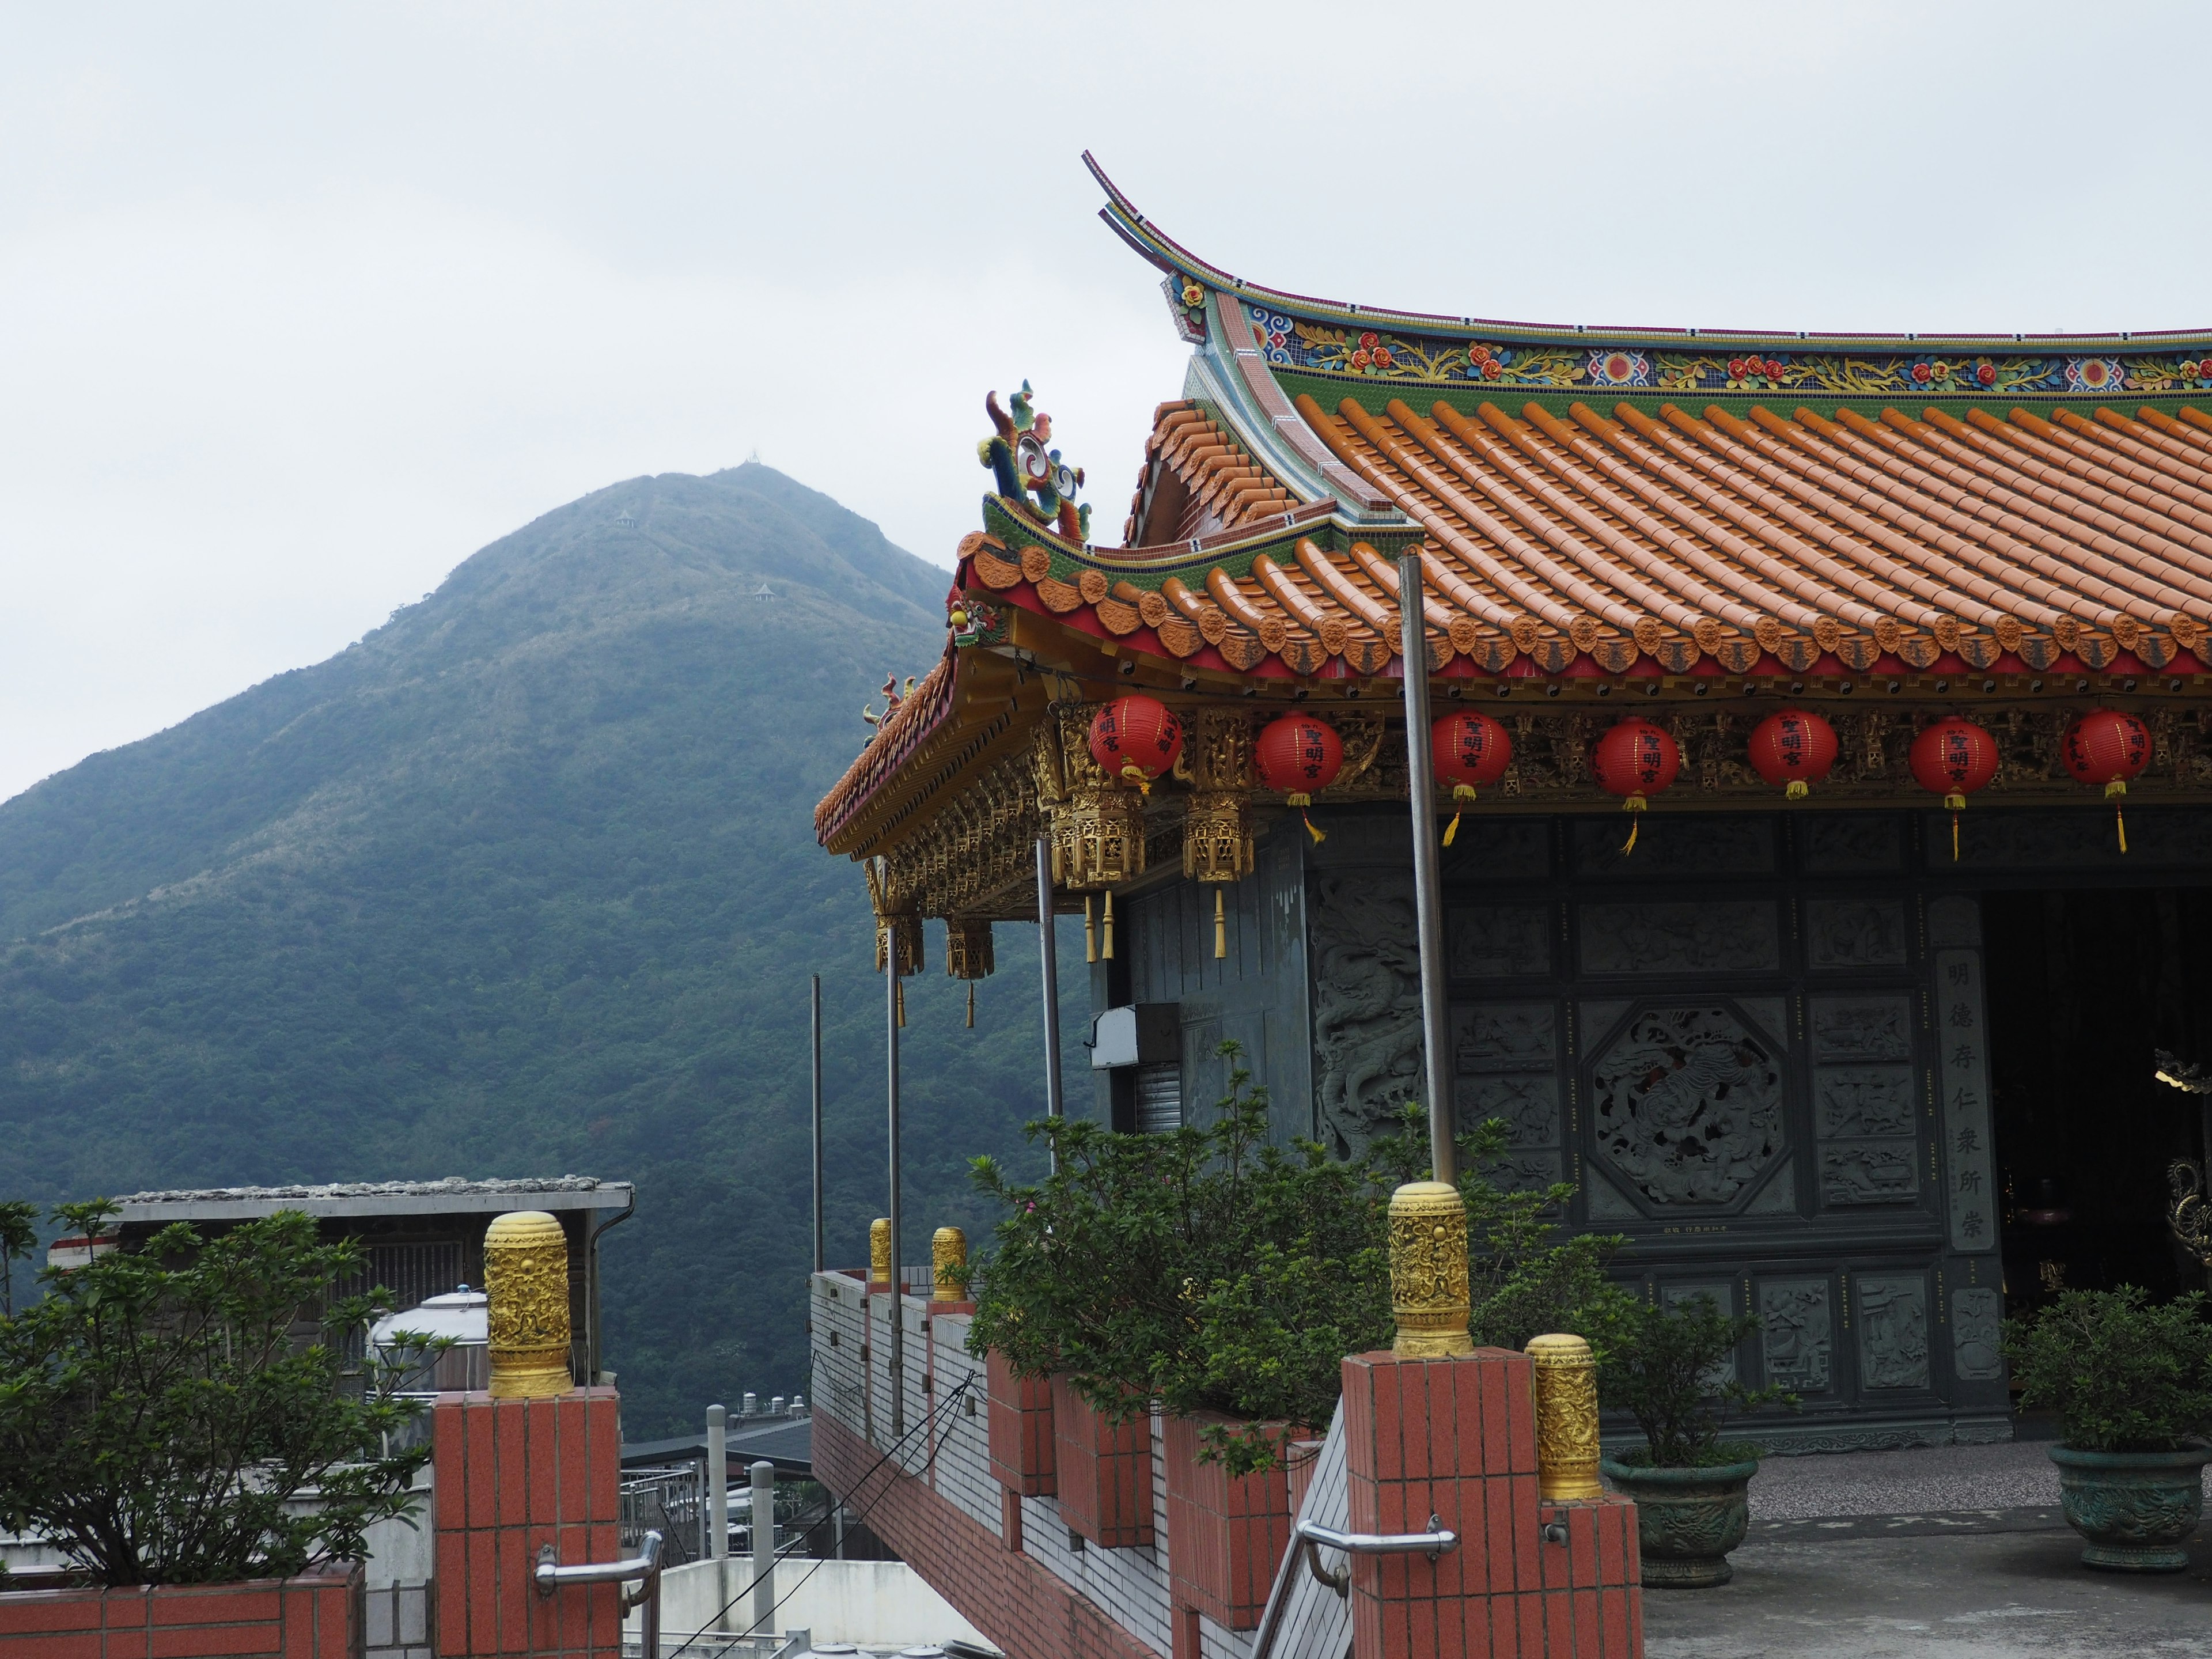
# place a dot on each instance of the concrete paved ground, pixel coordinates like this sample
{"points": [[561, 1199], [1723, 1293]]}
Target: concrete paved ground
{"points": [[1951, 1553]]}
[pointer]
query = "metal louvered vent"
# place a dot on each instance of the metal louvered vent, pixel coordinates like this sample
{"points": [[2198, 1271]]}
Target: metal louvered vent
{"points": [[1159, 1098]]}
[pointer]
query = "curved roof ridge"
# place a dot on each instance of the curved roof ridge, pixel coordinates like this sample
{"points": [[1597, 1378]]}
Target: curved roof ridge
{"points": [[1155, 246]]}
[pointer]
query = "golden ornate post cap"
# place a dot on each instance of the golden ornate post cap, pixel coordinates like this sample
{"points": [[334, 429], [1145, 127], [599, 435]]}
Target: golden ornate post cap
{"points": [[948, 1247], [1566, 1417], [1428, 1270], [526, 1292], [879, 1252]]}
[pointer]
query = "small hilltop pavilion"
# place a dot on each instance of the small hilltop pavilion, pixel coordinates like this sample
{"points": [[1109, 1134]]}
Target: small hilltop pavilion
{"points": [[1824, 721]]}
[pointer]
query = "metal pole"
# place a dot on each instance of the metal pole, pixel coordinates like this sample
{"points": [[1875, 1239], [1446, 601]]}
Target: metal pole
{"points": [[764, 1475], [1428, 898], [718, 1482], [896, 1305], [1049, 959], [821, 1257]]}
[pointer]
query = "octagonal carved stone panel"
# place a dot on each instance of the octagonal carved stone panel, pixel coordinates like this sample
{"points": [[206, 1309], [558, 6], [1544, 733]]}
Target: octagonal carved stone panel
{"points": [[1688, 1104]]}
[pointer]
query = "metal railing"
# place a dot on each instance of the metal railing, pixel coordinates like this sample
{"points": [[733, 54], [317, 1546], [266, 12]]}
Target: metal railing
{"points": [[670, 1501], [548, 1576], [1305, 1536]]}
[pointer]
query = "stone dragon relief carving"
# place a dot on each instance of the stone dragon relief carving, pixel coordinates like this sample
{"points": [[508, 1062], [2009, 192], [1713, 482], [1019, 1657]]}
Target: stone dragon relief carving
{"points": [[1689, 1104], [1367, 1014]]}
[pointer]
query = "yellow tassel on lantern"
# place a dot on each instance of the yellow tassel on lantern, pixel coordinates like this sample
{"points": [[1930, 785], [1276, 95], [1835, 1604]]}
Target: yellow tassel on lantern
{"points": [[1302, 802], [1958, 804], [1635, 804], [902, 1005], [1132, 773], [1220, 927], [2113, 792], [1090, 932], [1462, 794], [1106, 951], [971, 1005], [1797, 789]]}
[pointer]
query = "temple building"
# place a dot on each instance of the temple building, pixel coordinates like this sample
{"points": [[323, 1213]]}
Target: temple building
{"points": [[1856, 1035]]}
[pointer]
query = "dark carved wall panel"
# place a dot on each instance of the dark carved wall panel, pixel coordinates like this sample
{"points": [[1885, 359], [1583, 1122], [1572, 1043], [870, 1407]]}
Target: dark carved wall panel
{"points": [[1753, 1046], [1721, 936], [1687, 1104], [1505, 1064], [1703, 847], [1851, 844], [1798, 1332], [1854, 933], [1892, 1327], [1499, 941], [1367, 1013]]}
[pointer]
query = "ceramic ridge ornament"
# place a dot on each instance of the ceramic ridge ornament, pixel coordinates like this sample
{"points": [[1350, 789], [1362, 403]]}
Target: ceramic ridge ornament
{"points": [[1953, 758], [1794, 748], [1135, 738], [1633, 760], [1299, 755], [2107, 746], [1469, 751]]}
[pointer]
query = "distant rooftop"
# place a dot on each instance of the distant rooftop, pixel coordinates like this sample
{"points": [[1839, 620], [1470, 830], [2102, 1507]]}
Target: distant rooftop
{"points": [[455, 1195]]}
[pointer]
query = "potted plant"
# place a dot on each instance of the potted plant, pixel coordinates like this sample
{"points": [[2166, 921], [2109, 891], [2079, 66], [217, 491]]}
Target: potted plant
{"points": [[2131, 1383], [164, 1409], [1221, 1279], [1665, 1367]]}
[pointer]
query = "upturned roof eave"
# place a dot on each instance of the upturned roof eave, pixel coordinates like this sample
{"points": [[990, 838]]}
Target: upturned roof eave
{"points": [[1153, 244]]}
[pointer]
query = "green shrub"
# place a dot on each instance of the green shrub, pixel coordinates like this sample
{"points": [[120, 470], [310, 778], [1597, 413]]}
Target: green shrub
{"points": [[1664, 1367], [162, 1408], [1206, 1269], [2123, 1374]]}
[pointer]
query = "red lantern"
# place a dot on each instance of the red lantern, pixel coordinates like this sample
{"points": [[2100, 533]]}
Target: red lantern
{"points": [[2108, 747], [1634, 759], [1953, 758], [1794, 749], [1298, 754], [1468, 750], [1135, 738]]}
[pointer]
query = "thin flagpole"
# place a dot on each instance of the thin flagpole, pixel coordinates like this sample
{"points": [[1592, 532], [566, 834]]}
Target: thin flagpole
{"points": [[814, 1000], [1428, 898], [1048, 960]]}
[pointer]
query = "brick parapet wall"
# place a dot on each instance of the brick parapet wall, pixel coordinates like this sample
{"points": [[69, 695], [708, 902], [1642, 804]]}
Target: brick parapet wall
{"points": [[513, 1475], [951, 1476], [1007, 1595], [314, 1616]]}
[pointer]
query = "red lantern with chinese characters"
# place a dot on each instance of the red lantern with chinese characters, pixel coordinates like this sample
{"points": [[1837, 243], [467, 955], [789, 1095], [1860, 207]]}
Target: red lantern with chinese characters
{"points": [[2108, 747], [1953, 758], [1794, 749], [1634, 760], [1468, 750], [1298, 754], [1135, 738]]}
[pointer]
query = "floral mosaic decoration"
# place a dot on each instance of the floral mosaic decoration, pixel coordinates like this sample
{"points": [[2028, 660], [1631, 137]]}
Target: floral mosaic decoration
{"points": [[1297, 343]]}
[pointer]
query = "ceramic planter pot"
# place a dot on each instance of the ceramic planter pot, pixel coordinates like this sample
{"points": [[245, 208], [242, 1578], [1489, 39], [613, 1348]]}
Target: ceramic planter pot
{"points": [[2134, 1507], [1687, 1520], [1227, 1533]]}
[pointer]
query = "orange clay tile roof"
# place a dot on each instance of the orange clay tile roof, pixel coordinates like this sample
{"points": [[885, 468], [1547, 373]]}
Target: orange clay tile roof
{"points": [[1197, 478], [1674, 536], [1674, 542]]}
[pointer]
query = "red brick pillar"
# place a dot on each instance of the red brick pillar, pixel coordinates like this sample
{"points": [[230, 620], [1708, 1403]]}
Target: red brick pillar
{"points": [[510, 1476], [1456, 1438]]}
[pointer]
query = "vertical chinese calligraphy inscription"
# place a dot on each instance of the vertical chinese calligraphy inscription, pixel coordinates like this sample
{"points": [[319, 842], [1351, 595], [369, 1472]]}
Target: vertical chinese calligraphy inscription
{"points": [[1959, 1023]]}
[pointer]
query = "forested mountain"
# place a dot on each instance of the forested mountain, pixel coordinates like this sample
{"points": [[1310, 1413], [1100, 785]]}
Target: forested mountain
{"points": [[524, 883]]}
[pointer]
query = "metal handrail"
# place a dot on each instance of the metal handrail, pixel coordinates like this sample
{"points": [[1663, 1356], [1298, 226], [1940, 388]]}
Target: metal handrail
{"points": [[1306, 1534], [644, 1565], [1311, 1533]]}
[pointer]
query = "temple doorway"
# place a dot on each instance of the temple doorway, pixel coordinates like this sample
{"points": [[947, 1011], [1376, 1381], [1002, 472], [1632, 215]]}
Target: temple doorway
{"points": [[2084, 985]]}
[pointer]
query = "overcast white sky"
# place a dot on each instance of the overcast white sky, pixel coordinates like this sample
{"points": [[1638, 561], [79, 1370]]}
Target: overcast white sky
{"points": [[300, 304]]}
